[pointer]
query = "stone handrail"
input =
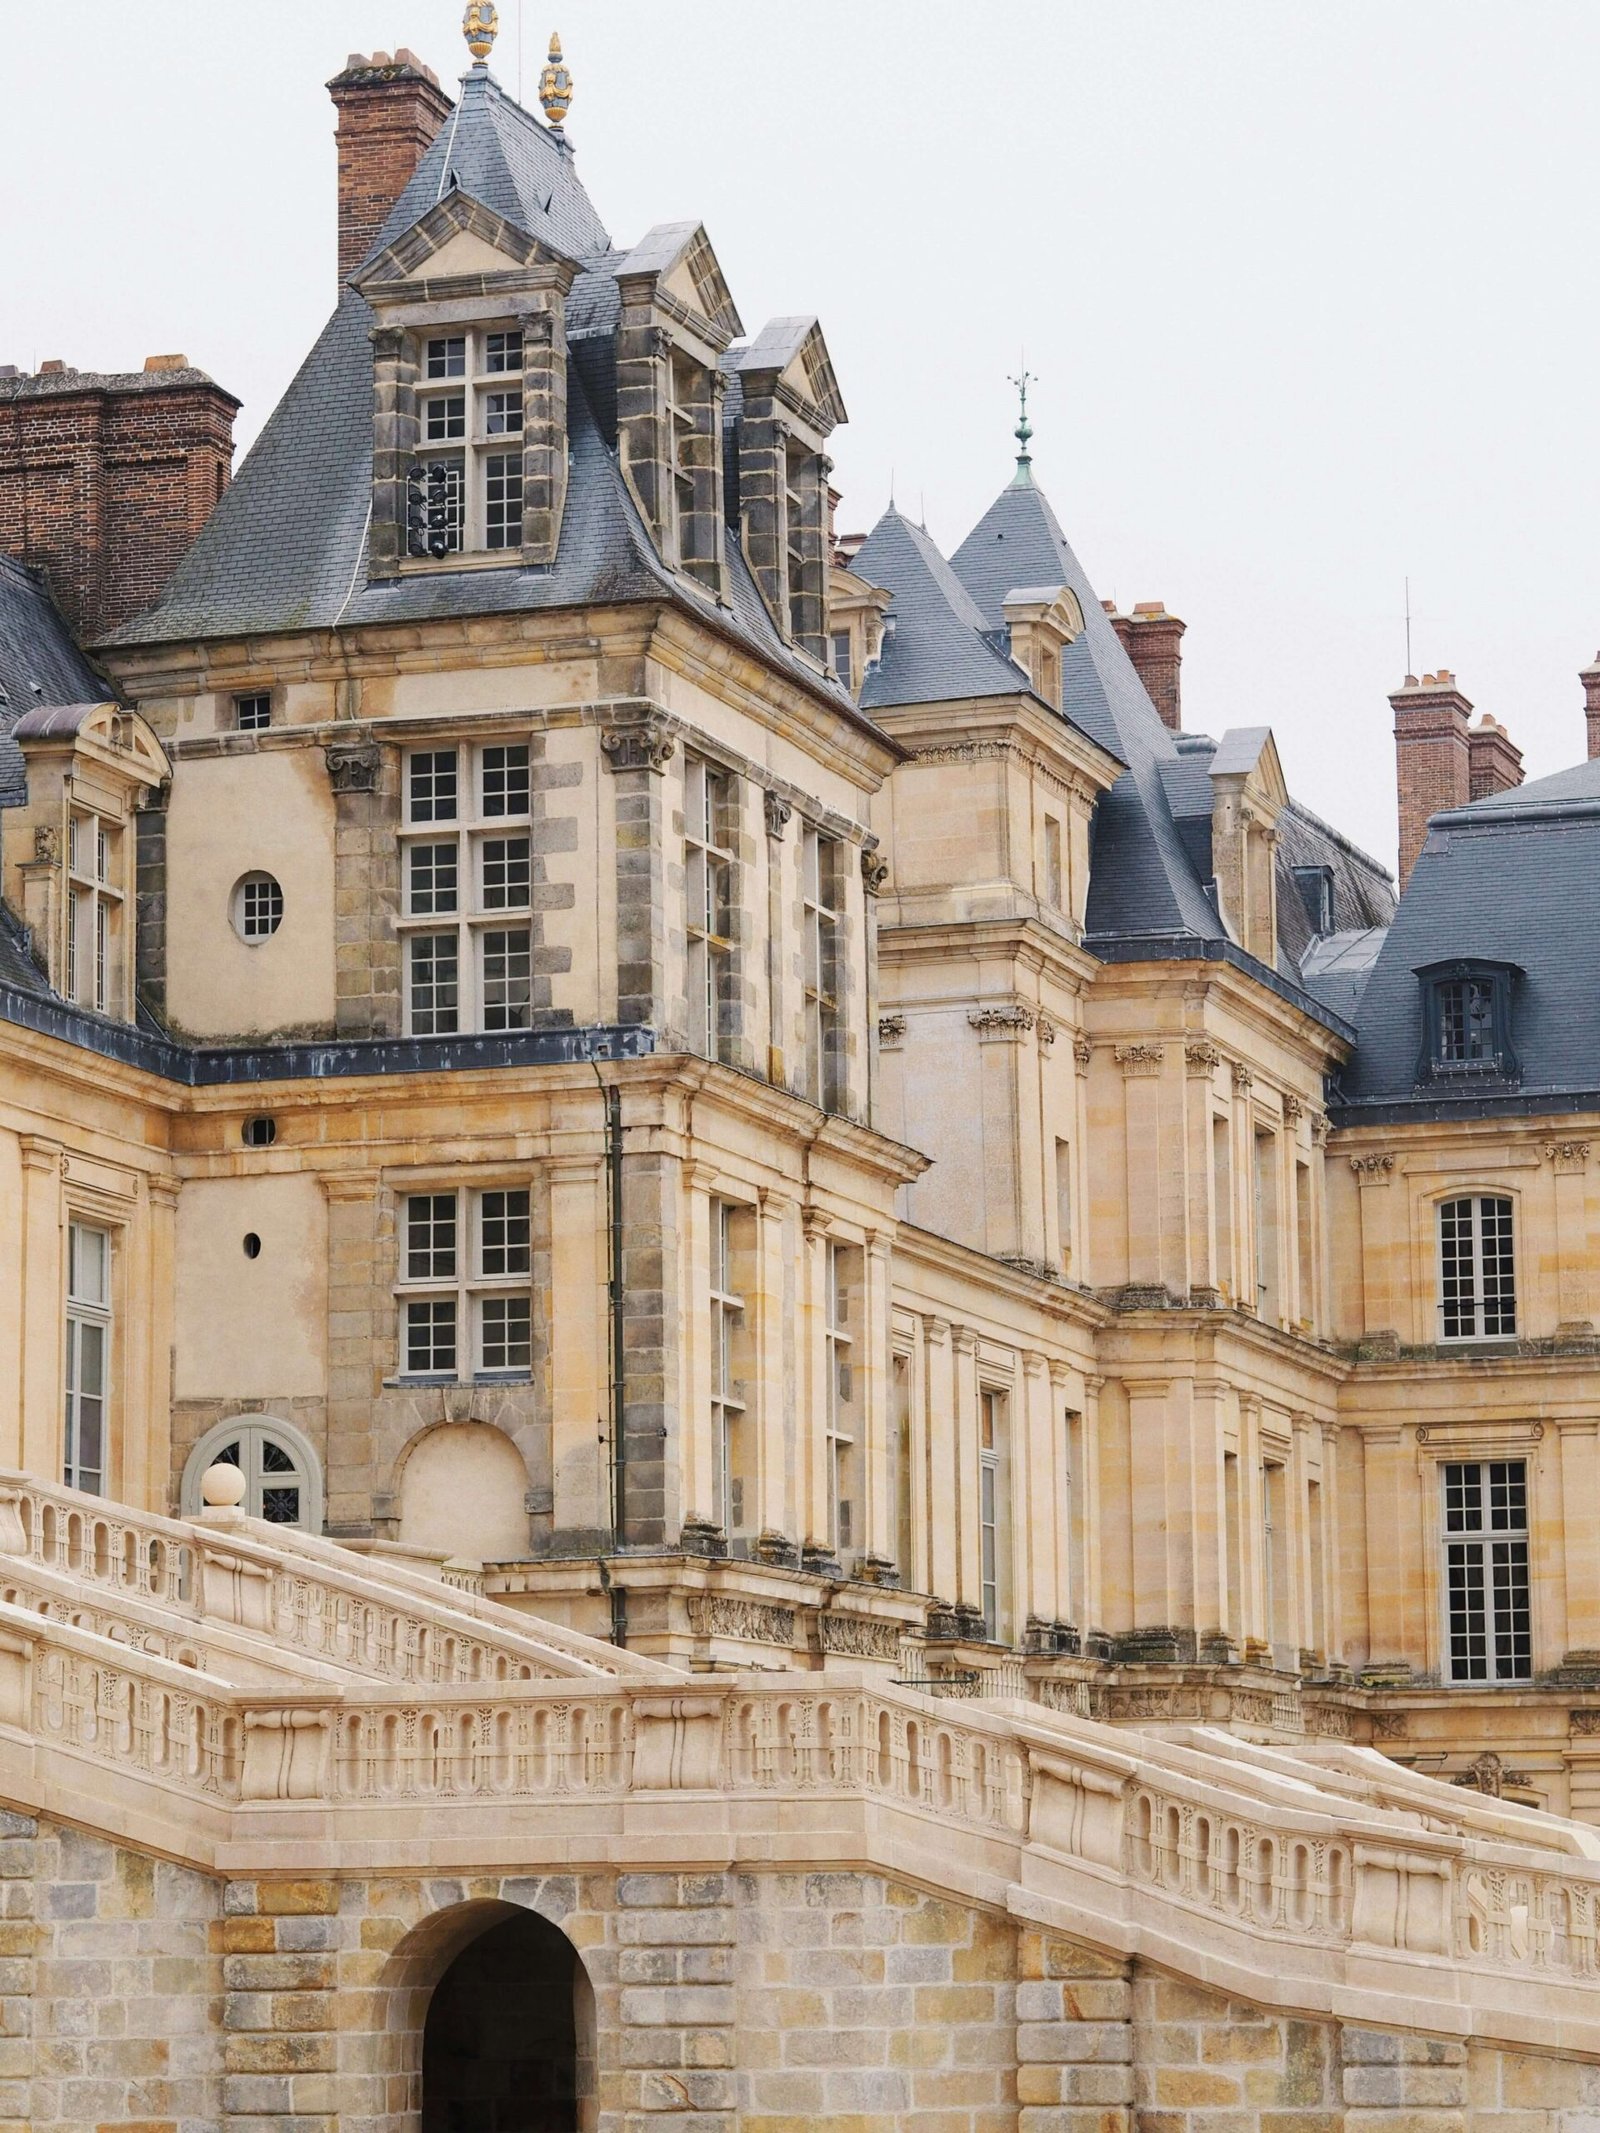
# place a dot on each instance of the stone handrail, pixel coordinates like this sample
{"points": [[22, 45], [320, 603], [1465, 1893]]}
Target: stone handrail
{"points": [[307, 1596]]}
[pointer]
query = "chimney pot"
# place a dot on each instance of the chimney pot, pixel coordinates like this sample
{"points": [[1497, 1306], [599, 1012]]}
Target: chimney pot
{"points": [[166, 362], [1590, 677], [52, 367], [1434, 757], [381, 59], [1152, 639]]}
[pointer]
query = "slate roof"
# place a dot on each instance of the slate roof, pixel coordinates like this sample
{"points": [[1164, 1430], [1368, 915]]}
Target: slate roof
{"points": [[286, 548], [39, 664], [934, 645], [1511, 879], [17, 967], [1142, 880]]}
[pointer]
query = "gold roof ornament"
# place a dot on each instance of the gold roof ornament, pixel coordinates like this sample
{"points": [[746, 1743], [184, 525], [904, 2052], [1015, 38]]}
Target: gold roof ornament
{"points": [[480, 26], [555, 85]]}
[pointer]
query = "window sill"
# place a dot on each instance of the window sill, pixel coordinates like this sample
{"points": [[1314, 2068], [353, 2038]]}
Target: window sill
{"points": [[449, 1384], [418, 566]]}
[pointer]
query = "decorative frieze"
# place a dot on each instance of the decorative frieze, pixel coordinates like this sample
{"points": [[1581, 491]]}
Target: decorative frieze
{"points": [[722, 1614], [859, 1636]]}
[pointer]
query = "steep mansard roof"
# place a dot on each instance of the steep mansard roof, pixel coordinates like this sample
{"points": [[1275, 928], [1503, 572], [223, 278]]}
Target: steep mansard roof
{"points": [[1511, 879], [286, 548], [40, 664]]}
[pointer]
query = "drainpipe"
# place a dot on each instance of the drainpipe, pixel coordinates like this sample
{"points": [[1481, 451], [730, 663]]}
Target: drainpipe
{"points": [[612, 1099]]}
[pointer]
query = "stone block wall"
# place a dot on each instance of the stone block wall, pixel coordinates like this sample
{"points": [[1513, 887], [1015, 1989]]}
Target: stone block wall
{"points": [[142, 1996]]}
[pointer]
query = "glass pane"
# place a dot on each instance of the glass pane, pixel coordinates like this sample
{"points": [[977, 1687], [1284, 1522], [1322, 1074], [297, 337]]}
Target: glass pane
{"points": [[431, 788], [88, 1265], [431, 1337], [431, 1236], [435, 985], [447, 356], [228, 1456], [274, 1459], [507, 1333], [505, 1233], [431, 884], [505, 781], [507, 980], [281, 1506], [507, 873]]}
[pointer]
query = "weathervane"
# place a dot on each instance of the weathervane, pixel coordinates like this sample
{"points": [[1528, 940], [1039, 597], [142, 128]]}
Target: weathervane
{"points": [[480, 26], [1024, 429], [555, 85]]}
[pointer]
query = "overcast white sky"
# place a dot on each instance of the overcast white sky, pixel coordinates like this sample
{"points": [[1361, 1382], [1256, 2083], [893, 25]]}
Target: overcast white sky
{"points": [[1308, 288]]}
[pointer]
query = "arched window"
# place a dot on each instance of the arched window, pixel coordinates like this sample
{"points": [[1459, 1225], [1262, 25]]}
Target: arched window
{"points": [[282, 1479], [1477, 1269]]}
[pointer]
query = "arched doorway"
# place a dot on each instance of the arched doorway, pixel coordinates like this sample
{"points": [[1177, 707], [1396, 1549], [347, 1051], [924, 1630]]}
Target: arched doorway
{"points": [[500, 2043]]}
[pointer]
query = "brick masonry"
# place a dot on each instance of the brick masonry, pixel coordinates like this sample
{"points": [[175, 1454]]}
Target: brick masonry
{"points": [[389, 112]]}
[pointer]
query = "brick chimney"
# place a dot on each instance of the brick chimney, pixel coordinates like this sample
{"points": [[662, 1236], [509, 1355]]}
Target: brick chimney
{"points": [[106, 478], [1433, 756], [1590, 677], [1151, 638], [1494, 761], [390, 110]]}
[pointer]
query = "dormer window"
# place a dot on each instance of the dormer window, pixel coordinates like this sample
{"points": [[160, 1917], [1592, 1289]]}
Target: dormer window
{"points": [[1316, 895], [1467, 1022], [464, 491]]}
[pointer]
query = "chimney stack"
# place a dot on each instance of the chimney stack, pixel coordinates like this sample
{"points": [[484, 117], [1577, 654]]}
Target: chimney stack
{"points": [[1151, 638], [390, 109], [1590, 677], [1433, 756], [1494, 761], [106, 478]]}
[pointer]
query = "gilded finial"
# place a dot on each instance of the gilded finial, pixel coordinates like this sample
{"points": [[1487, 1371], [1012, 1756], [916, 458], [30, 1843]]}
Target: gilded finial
{"points": [[1024, 429], [555, 85], [480, 26]]}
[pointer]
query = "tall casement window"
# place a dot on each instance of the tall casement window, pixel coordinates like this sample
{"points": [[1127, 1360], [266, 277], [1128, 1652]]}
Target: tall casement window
{"points": [[839, 1359], [88, 1373], [708, 886], [993, 1539], [1222, 1202], [1477, 1269], [1053, 878], [902, 1453], [822, 866], [1064, 1202], [1275, 1551], [1305, 1253], [465, 1288], [1486, 1570], [731, 1244], [467, 855], [464, 493], [94, 908], [1266, 1224]]}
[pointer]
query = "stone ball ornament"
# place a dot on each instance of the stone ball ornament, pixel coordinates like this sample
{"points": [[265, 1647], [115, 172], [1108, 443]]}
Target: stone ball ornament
{"points": [[222, 1486]]}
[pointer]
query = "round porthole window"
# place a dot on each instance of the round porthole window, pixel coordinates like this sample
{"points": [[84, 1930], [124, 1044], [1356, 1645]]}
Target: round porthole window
{"points": [[252, 1245], [257, 907]]}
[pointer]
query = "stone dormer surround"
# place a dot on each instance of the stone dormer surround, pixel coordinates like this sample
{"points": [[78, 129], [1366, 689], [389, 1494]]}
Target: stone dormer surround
{"points": [[677, 319], [462, 265], [1248, 794], [1041, 621], [791, 406]]}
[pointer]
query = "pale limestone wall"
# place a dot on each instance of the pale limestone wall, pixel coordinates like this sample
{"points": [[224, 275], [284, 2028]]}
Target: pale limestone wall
{"points": [[267, 811], [253, 1325]]}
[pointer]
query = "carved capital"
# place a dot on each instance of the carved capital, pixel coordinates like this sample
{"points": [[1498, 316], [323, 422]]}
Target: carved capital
{"points": [[1047, 1032], [777, 811], [1082, 1053], [1201, 1057], [353, 765], [1243, 1079], [891, 1030], [1374, 1169], [1293, 1109], [1140, 1061], [642, 747], [46, 845], [1567, 1155], [1006, 1024]]}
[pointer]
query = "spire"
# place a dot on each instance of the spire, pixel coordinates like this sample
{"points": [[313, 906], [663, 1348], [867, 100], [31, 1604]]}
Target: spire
{"points": [[555, 86], [1023, 478], [480, 26]]}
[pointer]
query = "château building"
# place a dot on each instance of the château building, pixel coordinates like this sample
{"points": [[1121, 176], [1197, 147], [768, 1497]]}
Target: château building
{"points": [[793, 1204]]}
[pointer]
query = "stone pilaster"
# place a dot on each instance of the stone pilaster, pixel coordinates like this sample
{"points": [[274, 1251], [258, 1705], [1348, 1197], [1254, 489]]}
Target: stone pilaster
{"points": [[366, 885], [280, 2006], [544, 440], [675, 1975]]}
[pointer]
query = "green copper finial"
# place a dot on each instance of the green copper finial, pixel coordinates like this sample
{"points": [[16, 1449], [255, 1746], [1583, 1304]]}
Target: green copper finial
{"points": [[1023, 478]]}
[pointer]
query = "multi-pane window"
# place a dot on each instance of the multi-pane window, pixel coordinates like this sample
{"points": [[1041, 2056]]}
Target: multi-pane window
{"points": [[465, 490], [277, 1485], [467, 868], [839, 1363], [88, 1371], [1477, 1269], [1466, 1022], [798, 478], [257, 907], [902, 1452], [992, 1538], [840, 660], [822, 864], [1486, 1570], [708, 888], [94, 908], [465, 1288], [729, 1366], [252, 712]]}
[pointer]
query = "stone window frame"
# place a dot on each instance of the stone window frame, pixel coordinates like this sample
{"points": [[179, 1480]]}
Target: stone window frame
{"points": [[239, 698], [711, 952], [469, 922], [732, 1239], [96, 889], [467, 1286], [474, 447], [307, 1466], [823, 951], [844, 1419], [996, 1477]]}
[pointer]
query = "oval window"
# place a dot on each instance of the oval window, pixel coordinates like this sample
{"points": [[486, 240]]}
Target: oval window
{"points": [[257, 907]]}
